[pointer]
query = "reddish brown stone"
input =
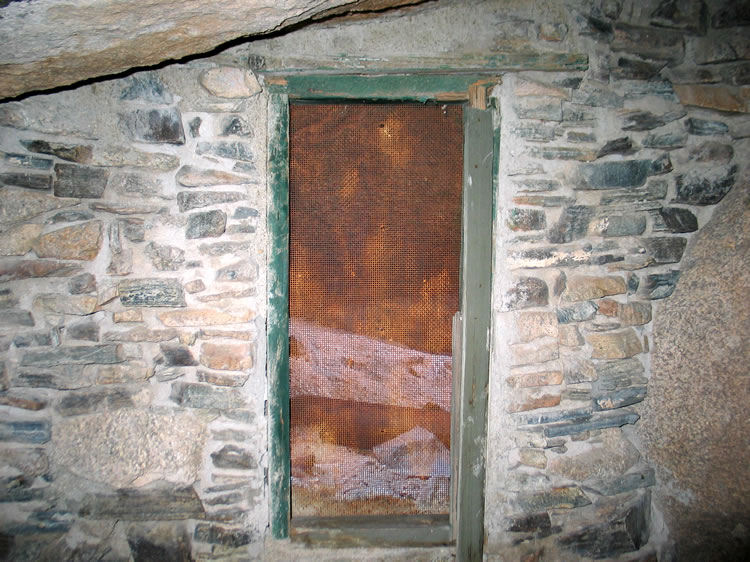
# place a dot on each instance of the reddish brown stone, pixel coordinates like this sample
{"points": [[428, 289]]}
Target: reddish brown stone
{"points": [[226, 357], [534, 400], [615, 345], [79, 242], [36, 268], [542, 378], [608, 307], [204, 317], [585, 287], [722, 98]]}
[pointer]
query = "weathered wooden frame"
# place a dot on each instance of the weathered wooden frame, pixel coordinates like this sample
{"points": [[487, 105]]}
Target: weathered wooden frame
{"points": [[481, 145]]}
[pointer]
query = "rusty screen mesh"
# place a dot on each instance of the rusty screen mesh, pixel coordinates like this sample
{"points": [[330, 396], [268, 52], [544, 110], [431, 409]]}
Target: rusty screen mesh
{"points": [[375, 226]]}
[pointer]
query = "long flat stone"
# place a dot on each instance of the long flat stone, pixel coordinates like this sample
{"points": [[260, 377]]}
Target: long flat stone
{"points": [[144, 505], [78, 355], [602, 422], [25, 431], [151, 292]]}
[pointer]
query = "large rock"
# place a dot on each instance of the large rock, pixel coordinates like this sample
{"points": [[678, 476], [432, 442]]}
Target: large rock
{"points": [[45, 47], [128, 446], [695, 422], [418, 452]]}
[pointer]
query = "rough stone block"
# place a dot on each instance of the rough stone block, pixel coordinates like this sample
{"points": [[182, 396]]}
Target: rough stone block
{"points": [[82, 284], [659, 285], [144, 505], [235, 150], [209, 224], [705, 187], [572, 225], [543, 378], [705, 127], [664, 249], [628, 68], [678, 220], [587, 287], [189, 176], [78, 242], [534, 352], [599, 422], [25, 161], [79, 181], [221, 535], [541, 108], [620, 398], [194, 395], [626, 483], [666, 141], [532, 457], [533, 325], [175, 356], [593, 96], [529, 523], [230, 82], [70, 216], [564, 497], [11, 317], [628, 532], [34, 339], [526, 219], [27, 179], [125, 156], [620, 374], [649, 42], [533, 399], [717, 153], [562, 153], [619, 225], [79, 153], [145, 87], [78, 305], [88, 401], [165, 258], [538, 132], [622, 145], [578, 312], [613, 175], [205, 317], [720, 98], [18, 240], [615, 345], [37, 432], [535, 418], [61, 377], [226, 357], [242, 271], [569, 336], [150, 446], [187, 200], [543, 201], [78, 355], [236, 126], [153, 125], [31, 461], [151, 292], [166, 542]]}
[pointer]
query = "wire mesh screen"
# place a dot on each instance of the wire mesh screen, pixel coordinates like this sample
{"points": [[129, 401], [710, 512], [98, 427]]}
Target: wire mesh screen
{"points": [[374, 251]]}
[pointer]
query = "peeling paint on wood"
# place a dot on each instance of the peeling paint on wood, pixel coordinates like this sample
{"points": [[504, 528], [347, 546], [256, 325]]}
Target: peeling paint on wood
{"points": [[278, 314]]}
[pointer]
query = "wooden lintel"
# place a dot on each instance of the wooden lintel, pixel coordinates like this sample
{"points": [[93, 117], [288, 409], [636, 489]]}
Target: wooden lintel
{"points": [[481, 63]]}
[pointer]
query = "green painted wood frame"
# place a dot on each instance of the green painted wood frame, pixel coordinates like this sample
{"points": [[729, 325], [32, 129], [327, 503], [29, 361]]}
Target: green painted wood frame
{"points": [[481, 145]]}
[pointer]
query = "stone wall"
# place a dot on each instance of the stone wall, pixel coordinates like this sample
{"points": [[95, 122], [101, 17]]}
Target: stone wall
{"points": [[132, 310], [133, 273]]}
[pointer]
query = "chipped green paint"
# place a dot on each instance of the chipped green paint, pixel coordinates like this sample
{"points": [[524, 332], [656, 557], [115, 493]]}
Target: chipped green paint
{"points": [[278, 314], [420, 88], [480, 136]]}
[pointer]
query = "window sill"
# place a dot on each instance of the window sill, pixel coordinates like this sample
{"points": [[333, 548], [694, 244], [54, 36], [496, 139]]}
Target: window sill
{"points": [[372, 530]]}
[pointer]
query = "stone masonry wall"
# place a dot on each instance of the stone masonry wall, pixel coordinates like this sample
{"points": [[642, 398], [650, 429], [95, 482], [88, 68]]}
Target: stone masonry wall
{"points": [[131, 310], [133, 283]]}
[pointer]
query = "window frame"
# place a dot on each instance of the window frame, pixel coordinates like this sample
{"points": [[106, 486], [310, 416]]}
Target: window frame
{"points": [[471, 327]]}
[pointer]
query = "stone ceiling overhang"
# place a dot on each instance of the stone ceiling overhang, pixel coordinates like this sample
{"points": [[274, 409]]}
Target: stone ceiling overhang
{"points": [[48, 44]]}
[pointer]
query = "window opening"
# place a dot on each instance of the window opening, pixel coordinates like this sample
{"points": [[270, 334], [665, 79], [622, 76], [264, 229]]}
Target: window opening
{"points": [[374, 253]]}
